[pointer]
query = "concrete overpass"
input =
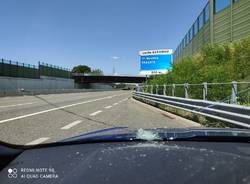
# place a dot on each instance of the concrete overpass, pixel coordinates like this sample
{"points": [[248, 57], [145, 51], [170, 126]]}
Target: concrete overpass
{"points": [[86, 79]]}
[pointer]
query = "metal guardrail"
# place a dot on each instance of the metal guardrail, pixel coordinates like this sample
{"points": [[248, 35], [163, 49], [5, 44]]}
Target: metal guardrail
{"points": [[228, 92], [235, 114]]}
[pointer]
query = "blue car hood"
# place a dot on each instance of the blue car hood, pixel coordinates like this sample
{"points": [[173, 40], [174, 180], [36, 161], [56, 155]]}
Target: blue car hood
{"points": [[126, 134]]}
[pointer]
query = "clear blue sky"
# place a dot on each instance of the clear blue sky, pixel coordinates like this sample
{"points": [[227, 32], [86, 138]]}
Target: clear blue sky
{"points": [[71, 32]]}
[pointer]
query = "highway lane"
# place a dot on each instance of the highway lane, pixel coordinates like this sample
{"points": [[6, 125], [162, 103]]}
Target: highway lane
{"points": [[49, 118], [18, 106]]}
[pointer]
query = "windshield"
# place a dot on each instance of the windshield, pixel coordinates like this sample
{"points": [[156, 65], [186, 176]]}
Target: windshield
{"points": [[69, 68]]}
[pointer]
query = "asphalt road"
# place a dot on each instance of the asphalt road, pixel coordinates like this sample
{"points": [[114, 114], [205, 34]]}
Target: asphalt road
{"points": [[49, 118]]}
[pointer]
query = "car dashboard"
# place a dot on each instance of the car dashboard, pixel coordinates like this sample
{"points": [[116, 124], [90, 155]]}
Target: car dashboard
{"points": [[129, 162]]}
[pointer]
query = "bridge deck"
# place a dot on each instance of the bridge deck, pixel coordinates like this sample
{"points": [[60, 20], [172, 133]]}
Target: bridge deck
{"points": [[109, 79]]}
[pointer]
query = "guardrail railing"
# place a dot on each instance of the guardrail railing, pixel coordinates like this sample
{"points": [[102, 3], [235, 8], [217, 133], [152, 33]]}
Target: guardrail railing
{"points": [[234, 114], [230, 92]]}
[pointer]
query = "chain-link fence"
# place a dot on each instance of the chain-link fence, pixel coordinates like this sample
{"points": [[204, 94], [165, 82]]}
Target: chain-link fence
{"points": [[232, 92], [16, 69]]}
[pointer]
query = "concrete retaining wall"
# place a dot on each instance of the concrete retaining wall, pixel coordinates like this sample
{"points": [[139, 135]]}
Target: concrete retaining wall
{"points": [[12, 85]]}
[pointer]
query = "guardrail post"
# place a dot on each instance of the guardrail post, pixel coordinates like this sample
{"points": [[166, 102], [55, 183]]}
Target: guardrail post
{"points": [[186, 90], [164, 89], [156, 90], [204, 90], [138, 88], [173, 90], [141, 88], [152, 87], [234, 93]]}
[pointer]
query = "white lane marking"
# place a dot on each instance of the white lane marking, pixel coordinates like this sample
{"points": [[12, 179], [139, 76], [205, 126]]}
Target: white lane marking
{"points": [[14, 105], [95, 113], [57, 108], [38, 141], [108, 107], [74, 123], [115, 104], [123, 100]]}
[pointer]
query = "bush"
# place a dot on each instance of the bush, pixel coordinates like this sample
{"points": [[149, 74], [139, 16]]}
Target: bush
{"points": [[218, 63]]}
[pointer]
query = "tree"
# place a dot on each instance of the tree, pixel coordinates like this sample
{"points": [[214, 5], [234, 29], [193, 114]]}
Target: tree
{"points": [[96, 72], [81, 69]]}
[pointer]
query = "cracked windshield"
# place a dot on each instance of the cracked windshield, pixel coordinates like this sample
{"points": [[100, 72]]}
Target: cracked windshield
{"points": [[72, 68]]}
